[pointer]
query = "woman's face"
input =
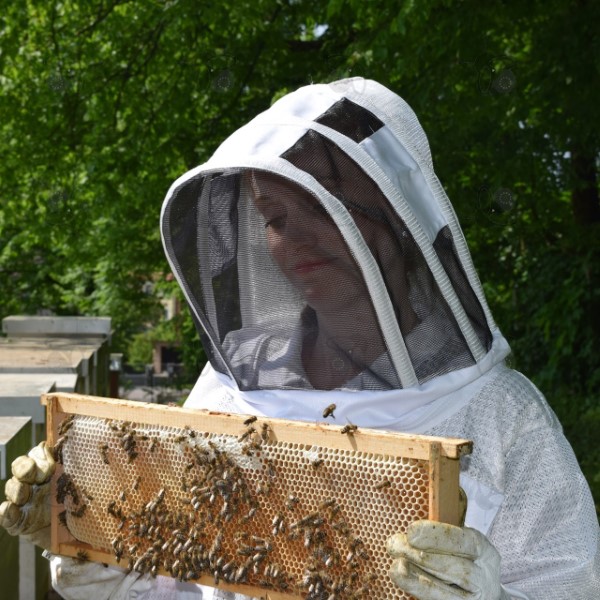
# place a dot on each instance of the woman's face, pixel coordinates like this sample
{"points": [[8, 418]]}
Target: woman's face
{"points": [[306, 244]]}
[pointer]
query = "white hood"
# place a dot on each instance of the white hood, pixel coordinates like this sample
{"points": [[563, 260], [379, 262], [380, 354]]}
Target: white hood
{"points": [[319, 252]]}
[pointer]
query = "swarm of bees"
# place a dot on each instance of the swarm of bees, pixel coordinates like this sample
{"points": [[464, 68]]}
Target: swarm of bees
{"points": [[208, 526]]}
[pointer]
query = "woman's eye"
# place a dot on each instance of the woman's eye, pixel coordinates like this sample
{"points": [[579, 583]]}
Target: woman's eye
{"points": [[276, 222]]}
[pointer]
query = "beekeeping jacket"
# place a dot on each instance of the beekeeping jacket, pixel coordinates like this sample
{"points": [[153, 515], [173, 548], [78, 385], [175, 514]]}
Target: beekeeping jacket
{"points": [[323, 263]]}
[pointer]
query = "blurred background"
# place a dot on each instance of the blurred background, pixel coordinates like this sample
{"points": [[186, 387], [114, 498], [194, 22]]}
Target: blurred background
{"points": [[103, 104]]}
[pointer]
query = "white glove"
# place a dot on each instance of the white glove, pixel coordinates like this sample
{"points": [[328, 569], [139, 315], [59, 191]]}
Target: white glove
{"points": [[77, 580], [26, 512], [437, 561]]}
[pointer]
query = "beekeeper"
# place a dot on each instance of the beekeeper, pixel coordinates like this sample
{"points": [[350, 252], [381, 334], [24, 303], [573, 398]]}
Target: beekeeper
{"points": [[323, 263]]}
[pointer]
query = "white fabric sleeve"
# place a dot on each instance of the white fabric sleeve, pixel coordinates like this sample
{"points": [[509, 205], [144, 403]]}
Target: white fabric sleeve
{"points": [[74, 580], [546, 528]]}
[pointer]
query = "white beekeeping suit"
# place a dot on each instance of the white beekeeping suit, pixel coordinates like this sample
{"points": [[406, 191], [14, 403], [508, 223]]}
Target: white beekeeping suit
{"points": [[323, 264]]}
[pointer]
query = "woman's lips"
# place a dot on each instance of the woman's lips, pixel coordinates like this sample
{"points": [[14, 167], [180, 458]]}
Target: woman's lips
{"points": [[311, 265]]}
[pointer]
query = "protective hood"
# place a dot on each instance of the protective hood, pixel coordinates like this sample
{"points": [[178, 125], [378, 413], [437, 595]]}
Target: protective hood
{"points": [[318, 251]]}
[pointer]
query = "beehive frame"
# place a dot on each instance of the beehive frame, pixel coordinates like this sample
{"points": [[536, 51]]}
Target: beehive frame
{"points": [[295, 509]]}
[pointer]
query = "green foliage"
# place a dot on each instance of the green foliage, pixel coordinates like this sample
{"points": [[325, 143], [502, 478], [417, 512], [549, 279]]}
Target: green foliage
{"points": [[104, 104]]}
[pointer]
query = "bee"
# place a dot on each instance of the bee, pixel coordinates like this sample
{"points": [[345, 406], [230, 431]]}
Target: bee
{"points": [[276, 523], [64, 486], [349, 429], [82, 556], [291, 502], [246, 434], [66, 425], [191, 433], [263, 488], [136, 484], [153, 444], [308, 537], [229, 566], [57, 451], [104, 453], [309, 520], [249, 514], [317, 463], [250, 420], [328, 412], [79, 512], [240, 574], [342, 527], [62, 518], [112, 510], [355, 543], [264, 434], [270, 469], [383, 484], [118, 547], [122, 496]]}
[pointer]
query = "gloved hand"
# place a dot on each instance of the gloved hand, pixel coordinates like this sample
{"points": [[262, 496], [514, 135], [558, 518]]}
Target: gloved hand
{"points": [[437, 561], [26, 512]]}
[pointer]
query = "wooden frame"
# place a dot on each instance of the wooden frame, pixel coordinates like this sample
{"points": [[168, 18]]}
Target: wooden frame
{"points": [[441, 454]]}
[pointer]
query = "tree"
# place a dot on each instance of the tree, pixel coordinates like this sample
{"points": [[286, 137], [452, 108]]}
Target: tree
{"points": [[104, 103]]}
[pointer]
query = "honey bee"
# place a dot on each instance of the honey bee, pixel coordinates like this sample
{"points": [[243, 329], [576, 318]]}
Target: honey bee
{"points": [[191, 433], [64, 486], [317, 463], [328, 412], [57, 451], [383, 484], [240, 574], [136, 483], [66, 425], [250, 420], [264, 434], [349, 429], [62, 518], [82, 556], [246, 434], [79, 511], [270, 469], [104, 453]]}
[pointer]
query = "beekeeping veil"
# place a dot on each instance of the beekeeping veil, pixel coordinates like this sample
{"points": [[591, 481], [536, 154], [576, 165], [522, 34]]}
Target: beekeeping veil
{"points": [[318, 251]]}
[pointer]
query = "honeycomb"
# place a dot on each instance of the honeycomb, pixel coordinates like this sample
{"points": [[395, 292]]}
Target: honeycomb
{"points": [[263, 514]]}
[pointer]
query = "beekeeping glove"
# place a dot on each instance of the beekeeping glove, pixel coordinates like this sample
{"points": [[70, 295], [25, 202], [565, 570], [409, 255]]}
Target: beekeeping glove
{"points": [[26, 511], [437, 561]]}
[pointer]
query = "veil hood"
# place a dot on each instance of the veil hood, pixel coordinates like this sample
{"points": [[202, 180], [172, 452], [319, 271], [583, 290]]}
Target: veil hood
{"points": [[318, 251]]}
